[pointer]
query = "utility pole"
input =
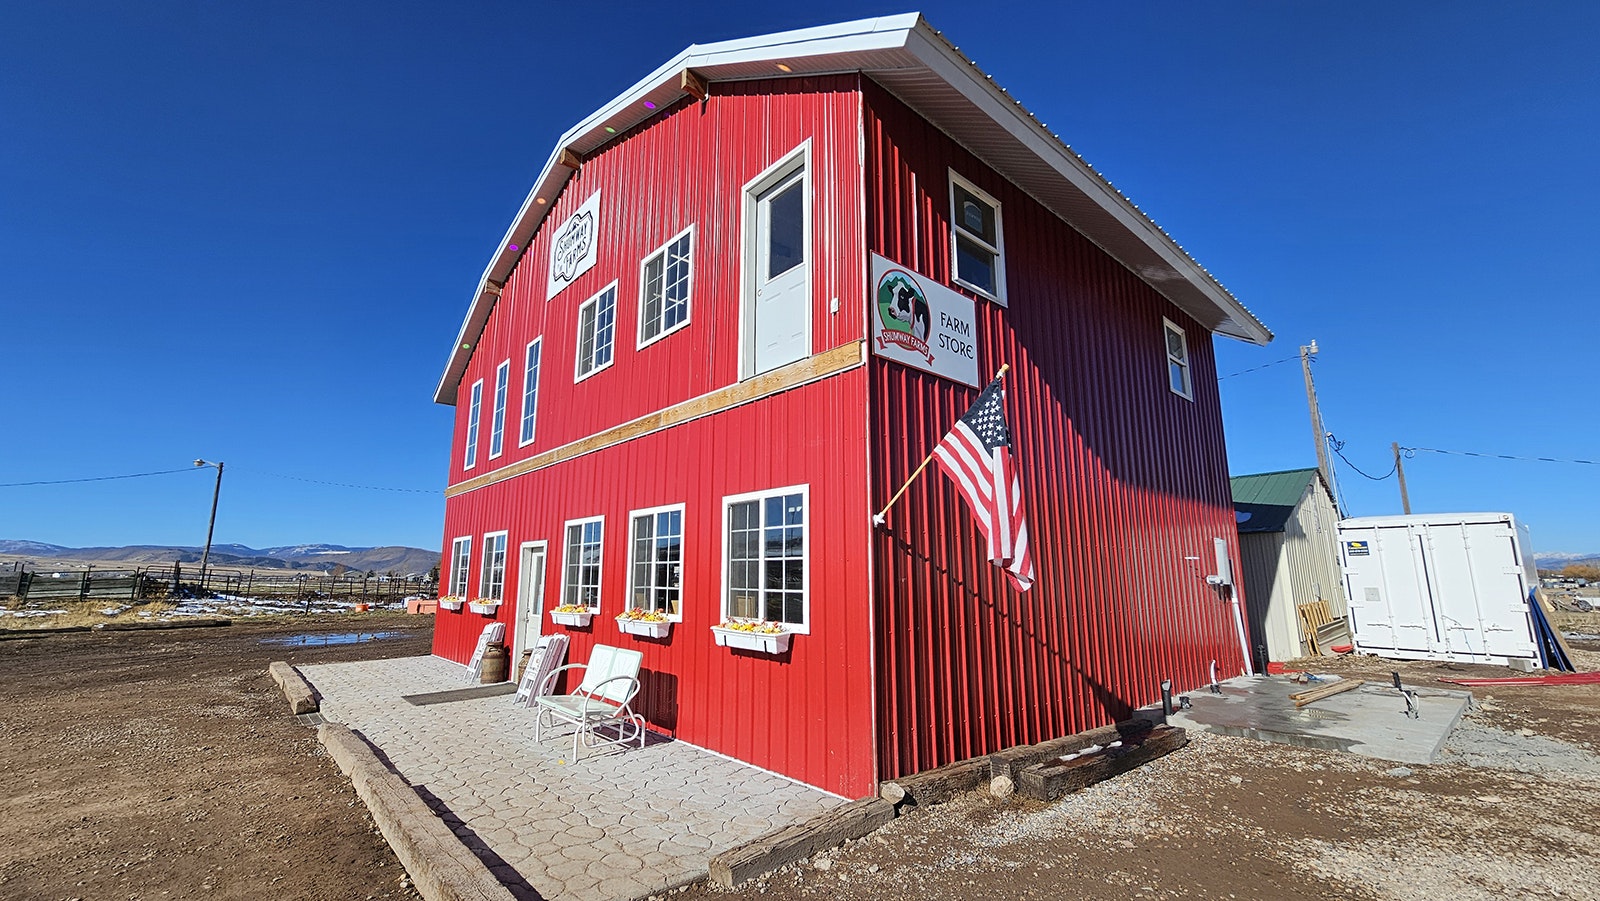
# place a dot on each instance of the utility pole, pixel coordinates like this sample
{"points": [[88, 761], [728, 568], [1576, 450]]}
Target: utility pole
{"points": [[1308, 352], [212, 525], [1400, 470]]}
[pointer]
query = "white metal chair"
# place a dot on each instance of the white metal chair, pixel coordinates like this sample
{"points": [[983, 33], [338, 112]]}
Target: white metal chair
{"points": [[610, 683], [547, 654], [492, 634]]}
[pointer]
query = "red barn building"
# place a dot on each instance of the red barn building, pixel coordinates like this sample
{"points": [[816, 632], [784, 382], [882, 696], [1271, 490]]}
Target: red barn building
{"points": [[674, 393]]}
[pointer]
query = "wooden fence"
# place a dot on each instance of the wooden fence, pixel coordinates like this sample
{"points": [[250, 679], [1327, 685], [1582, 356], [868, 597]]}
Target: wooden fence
{"points": [[174, 581]]}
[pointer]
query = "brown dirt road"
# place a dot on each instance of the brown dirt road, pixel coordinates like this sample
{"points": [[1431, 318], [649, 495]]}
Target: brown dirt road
{"points": [[165, 764]]}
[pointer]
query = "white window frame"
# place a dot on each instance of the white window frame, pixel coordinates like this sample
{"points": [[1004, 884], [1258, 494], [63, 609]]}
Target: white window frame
{"points": [[460, 556], [957, 231], [1168, 326], [688, 303], [633, 561], [579, 374], [530, 392], [497, 418], [802, 628], [566, 551], [748, 275], [474, 417], [484, 586]]}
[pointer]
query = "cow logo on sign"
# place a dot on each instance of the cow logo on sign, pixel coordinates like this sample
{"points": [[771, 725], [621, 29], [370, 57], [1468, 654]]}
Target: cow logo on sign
{"points": [[903, 312]]}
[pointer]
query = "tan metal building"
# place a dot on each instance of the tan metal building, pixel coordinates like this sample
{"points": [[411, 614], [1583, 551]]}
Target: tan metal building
{"points": [[1288, 542]]}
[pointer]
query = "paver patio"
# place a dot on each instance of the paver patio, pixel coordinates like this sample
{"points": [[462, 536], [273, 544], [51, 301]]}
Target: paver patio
{"points": [[613, 824]]}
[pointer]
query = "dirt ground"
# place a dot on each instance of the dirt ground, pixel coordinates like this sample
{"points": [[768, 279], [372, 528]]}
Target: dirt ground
{"points": [[165, 764]]}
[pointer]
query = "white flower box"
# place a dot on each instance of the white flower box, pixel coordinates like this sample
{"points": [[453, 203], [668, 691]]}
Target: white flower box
{"points": [[447, 604], [765, 642], [571, 619], [645, 627], [487, 608]]}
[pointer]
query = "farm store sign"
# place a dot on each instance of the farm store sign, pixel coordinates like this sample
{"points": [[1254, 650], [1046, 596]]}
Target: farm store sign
{"points": [[572, 247], [923, 324]]}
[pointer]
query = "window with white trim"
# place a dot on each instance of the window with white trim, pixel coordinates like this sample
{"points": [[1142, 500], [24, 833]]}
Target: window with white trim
{"points": [[580, 582], [655, 560], [766, 548], [1177, 361], [492, 578], [460, 559], [597, 332], [473, 409], [497, 420], [976, 240], [530, 391], [664, 281]]}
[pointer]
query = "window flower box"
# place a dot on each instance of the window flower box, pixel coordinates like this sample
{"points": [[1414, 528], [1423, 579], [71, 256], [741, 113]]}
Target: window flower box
{"points": [[485, 606], [451, 602], [645, 623], [768, 638], [571, 615]]}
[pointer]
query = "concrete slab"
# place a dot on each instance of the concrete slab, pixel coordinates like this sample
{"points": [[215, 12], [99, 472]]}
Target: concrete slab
{"points": [[1369, 720], [614, 824]]}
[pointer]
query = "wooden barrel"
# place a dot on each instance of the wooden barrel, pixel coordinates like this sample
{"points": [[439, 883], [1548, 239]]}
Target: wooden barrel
{"points": [[495, 660], [522, 664]]}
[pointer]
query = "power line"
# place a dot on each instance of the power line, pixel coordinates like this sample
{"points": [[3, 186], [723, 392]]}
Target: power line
{"points": [[1460, 453], [1257, 368], [1338, 448], [279, 475], [132, 475]]}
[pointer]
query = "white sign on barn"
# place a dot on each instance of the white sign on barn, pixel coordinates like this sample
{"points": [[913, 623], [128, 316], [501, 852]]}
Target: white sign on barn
{"points": [[573, 247], [923, 324]]}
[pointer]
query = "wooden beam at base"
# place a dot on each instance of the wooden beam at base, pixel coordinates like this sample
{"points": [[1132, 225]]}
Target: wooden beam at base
{"points": [[1054, 778]]}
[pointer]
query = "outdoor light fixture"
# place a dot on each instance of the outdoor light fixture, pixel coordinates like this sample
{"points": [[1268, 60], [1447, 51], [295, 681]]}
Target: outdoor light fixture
{"points": [[649, 104], [784, 68]]}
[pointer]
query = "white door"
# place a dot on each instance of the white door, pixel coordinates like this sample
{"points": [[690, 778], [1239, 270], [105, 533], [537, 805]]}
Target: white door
{"points": [[530, 600], [781, 330]]}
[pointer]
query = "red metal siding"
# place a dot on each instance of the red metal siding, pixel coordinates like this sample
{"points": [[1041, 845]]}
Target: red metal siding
{"points": [[807, 715], [1123, 482]]}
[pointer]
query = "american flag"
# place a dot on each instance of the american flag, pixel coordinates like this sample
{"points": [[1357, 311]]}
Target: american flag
{"points": [[977, 455]]}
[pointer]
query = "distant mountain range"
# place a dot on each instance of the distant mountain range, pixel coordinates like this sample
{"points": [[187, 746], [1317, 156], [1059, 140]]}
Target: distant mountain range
{"points": [[1557, 560], [310, 557]]}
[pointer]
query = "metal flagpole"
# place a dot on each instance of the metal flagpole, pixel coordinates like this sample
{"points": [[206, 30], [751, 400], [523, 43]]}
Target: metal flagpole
{"points": [[879, 518]]}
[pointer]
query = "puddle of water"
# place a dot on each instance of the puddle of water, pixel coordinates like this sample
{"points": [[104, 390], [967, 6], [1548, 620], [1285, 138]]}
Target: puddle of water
{"points": [[334, 638]]}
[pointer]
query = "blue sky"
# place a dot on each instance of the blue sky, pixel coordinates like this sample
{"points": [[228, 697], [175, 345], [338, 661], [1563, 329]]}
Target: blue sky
{"points": [[248, 232]]}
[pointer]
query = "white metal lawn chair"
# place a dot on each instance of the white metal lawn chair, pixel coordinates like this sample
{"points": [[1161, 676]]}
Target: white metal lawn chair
{"points": [[548, 653], [492, 634], [601, 700]]}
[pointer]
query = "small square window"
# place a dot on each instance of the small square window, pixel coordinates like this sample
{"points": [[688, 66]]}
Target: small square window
{"points": [[1178, 361], [664, 282], [976, 240], [597, 332]]}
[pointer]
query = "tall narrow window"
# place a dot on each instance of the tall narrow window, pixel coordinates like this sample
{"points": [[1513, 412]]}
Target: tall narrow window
{"points": [[581, 578], [492, 578], [656, 559], [664, 289], [976, 240], [766, 554], [460, 559], [1178, 361], [473, 410], [530, 392], [597, 331], [497, 420]]}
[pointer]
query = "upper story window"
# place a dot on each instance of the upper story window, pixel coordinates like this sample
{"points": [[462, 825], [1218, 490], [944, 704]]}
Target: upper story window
{"points": [[530, 391], [664, 282], [656, 560], [580, 583], [460, 559], [1177, 361], [497, 419], [473, 410], [597, 332], [767, 552], [492, 578], [976, 240]]}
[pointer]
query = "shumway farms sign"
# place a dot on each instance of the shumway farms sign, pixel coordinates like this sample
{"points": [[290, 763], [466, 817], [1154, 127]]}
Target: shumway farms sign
{"points": [[572, 247], [923, 324]]}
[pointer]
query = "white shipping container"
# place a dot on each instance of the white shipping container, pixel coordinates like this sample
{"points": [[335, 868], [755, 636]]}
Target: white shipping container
{"points": [[1442, 586]]}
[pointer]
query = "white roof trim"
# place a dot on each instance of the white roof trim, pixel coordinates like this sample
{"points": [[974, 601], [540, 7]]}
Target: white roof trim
{"points": [[899, 52]]}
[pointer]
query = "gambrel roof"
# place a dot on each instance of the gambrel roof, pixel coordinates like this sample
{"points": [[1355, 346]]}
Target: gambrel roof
{"points": [[915, 63]]}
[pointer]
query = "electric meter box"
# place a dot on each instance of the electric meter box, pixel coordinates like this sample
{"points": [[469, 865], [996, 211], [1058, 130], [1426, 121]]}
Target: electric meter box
{"points": [[1442, 586]]}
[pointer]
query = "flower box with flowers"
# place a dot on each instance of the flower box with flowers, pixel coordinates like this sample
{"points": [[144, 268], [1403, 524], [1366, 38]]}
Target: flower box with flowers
{"points": [[486, 606], [768, 638], [648, 623], [451, 602], [572, 615]]}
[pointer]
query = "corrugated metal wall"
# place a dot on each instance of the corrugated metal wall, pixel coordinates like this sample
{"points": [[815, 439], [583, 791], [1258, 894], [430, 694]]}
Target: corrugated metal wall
{"points": [[1123, 482], [1292, 567], [809, 714]]}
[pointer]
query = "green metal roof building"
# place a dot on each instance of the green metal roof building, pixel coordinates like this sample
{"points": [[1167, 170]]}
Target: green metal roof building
{"points": [[1289, 548]]}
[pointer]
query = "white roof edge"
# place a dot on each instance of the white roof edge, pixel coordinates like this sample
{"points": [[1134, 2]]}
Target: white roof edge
{"points": [[904, 32]]}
